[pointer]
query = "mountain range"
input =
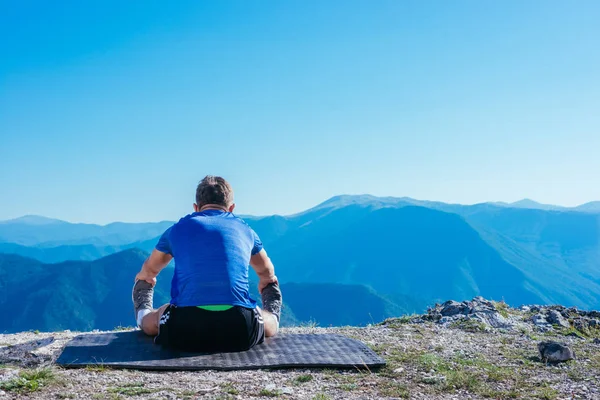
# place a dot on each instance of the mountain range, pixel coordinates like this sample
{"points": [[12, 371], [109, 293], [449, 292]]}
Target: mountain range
{"points": [[351, 260]]}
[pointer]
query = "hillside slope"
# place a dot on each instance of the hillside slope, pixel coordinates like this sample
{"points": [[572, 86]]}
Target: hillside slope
{"points": [[71, 295], [82, 296], [418, 253]]}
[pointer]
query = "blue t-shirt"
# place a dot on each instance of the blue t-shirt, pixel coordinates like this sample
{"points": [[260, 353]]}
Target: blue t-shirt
{"points": [[212, 251]]}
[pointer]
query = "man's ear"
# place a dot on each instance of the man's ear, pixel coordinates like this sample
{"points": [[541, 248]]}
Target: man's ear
{"points": [[231, 207], [196, 208]]}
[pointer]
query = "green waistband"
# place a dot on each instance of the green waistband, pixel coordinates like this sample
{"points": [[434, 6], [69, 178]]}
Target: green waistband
{"points": [[216, 307]]}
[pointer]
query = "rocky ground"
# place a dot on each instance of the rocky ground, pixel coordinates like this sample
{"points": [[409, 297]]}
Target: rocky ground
{"points": [[469, 350]]}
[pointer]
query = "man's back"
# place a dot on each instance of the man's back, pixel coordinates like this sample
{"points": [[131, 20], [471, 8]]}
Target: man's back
{"points": [[211, 308], [212, 251]]}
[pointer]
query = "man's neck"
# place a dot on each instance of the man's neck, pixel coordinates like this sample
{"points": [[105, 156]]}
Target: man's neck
{"points": [[213, 207]]}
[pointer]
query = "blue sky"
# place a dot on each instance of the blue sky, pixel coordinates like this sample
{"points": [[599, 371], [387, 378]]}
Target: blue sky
{"points": [[114, 110]]}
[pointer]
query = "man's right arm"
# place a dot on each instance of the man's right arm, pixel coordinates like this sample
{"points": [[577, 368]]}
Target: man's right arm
{"points": [[159, 258], [262, 265]]}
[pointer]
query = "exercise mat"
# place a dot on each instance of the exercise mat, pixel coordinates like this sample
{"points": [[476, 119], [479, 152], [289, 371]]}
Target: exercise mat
{"points": [[134, 350]]}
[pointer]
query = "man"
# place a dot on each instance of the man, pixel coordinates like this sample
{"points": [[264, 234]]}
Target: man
{"points": [[210, 308]]}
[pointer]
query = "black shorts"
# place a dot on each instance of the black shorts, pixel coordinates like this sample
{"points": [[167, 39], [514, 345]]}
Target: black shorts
{"points": [[199, 330]]}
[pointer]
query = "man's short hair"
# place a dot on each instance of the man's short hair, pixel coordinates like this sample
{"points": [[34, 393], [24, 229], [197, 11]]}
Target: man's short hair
{"points": [[214, 190]]}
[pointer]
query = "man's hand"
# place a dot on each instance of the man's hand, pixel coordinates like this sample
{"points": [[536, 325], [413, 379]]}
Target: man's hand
{"points": [[264, 282], [145, 276]]}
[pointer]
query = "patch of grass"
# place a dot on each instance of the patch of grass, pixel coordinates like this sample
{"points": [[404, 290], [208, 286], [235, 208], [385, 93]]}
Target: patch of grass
{"points": [[506, 340], [270, 393], [573, 332], [469, 325], [321, 396], [303, 378], [348, 387], [502, 308], [29, 381], [123, 328], [546, 393], [429, 361], [499, 374], [229, 388], [393, 389], [462, 379], [575, 376], [132, 389], [96, 368], [107, 396], [311, 323]]}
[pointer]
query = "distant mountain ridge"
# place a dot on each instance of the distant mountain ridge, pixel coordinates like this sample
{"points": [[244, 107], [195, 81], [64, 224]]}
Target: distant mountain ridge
{"points": [[397, 253], [86, 295]]}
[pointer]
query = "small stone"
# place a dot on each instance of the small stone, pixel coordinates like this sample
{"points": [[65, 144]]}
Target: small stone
{"points": [[433, 379], [554, 352], [270, 386], [446, 320], [581, 324], [2, 393], [554, 317], [287, 390], [596, 341], [539, 320], [399, 370], [452, 307]]}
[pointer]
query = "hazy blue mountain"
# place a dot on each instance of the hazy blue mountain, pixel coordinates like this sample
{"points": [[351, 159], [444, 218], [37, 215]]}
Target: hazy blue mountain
{"points": [[592, 206], [75, 295], [331, 304], [415, 252], [559, 249], [44, 232], [83, 252], [412, 252], [81, 295], [528, 203]]}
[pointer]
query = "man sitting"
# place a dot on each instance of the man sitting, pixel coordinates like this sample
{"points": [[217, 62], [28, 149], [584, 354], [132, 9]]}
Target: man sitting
{"points": [[210, 308]]}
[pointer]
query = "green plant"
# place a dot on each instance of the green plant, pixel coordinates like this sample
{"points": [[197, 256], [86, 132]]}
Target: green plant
{"points": [[123, 328], [469, 325], [502, 308], [546, 393], [270, 393], [394, 389], [132, 389], [29, 381], [303, 378], [229, 388]]}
